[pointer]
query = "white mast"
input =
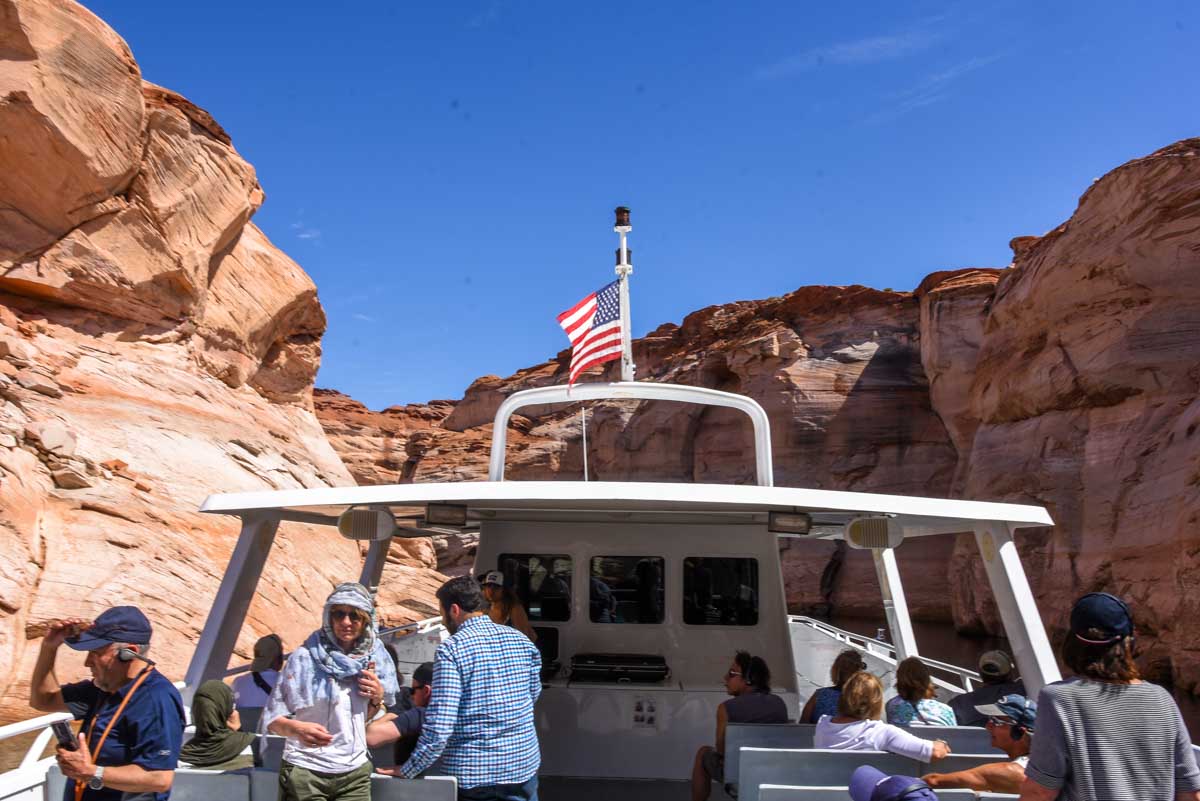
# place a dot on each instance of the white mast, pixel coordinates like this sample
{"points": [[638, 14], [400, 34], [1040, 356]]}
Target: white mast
{"points": [[624, 270]]}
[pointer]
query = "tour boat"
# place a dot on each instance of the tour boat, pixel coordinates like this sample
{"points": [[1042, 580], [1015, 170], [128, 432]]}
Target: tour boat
{"points": [[672, 578]]}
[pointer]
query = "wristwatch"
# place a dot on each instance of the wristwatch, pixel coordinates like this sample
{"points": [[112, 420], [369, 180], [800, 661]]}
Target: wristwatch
{"points": [[97, 780]]}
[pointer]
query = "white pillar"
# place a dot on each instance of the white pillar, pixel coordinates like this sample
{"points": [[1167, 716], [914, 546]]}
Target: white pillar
{"points": [[894, 603], [1018, 610], [228, 612], [372, 570]]}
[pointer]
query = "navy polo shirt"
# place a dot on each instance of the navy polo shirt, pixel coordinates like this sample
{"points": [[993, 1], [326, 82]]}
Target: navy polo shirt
{"points": [[149, 732]]}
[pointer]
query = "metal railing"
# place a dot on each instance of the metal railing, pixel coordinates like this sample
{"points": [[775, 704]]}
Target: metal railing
{"points": [[966, 678]]}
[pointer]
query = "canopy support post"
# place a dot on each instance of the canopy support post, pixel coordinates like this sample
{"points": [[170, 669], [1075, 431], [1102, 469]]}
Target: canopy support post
{"points": [[229, 608], [1018, 609], [894, 602], [372, 570]]}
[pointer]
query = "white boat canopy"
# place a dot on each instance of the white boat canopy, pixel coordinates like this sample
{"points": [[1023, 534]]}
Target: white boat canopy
{"points": [[510, 500]]}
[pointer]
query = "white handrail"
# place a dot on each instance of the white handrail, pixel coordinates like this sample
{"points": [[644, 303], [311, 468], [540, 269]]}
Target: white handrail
{"points": [[639, 390], [966, 676]]}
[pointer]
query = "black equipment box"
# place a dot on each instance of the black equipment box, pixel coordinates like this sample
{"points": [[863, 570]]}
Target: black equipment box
{"points": [[619, 668]]}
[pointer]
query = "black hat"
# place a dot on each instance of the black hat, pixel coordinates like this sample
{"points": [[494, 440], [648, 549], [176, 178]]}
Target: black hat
{"points": [[1099, 610]]}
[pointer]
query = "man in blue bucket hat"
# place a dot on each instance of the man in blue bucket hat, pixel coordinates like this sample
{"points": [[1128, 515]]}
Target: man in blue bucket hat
{"points": [[132, 715], [1010, 721]]}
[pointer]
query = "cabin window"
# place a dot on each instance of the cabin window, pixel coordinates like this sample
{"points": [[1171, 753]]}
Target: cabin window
{"points": [[626, 589], [541, 581], [720, 591]]}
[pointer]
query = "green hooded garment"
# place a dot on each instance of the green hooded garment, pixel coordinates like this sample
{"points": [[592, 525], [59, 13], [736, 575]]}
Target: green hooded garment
{"points": [[216, 746]]}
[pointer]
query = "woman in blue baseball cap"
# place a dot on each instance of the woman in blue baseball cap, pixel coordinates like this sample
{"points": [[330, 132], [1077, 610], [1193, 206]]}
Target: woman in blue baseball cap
{"points": [[1105, 734]]}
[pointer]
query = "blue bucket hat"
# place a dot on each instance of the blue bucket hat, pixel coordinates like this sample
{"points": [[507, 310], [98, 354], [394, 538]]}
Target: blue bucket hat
{"points": [[1017, 708], [871, 784], [124, 624]]}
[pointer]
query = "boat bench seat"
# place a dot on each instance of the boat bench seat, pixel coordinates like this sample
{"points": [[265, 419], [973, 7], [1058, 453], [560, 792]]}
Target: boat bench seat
{"points": [[799, 767], [263, 785], [789, 792], [189, 785], [961, 739]]}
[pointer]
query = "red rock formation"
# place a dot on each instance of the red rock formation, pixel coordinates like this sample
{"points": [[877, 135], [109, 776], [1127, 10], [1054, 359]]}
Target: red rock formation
{"points": [[154, 347], [1069, 380], [1085, 399]]}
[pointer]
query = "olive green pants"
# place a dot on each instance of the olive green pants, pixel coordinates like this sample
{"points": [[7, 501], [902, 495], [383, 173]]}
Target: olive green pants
{"points": [[301, 784]]}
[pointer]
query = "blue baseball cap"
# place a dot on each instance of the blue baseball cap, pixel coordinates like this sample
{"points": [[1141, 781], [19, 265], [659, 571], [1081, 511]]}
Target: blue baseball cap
{"points": [[1099, 610], [871, 784], [125, 624], [1015, 707]]}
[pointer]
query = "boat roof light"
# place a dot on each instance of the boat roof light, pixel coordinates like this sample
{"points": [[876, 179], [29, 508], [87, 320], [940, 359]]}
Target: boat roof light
{"points": [[789, 522]]}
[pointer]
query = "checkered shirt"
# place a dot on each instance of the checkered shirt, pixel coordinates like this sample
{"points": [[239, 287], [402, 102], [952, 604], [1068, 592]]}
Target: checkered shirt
{"points": [[486, 678]]}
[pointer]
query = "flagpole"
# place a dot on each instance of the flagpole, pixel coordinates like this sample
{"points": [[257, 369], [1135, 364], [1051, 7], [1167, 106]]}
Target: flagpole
{"points": [[583, 425], [624, 270]]}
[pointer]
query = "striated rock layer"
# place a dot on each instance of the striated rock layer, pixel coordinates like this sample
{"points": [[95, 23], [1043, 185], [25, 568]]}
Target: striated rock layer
{"points": [[1069, 380], [154, 347]]}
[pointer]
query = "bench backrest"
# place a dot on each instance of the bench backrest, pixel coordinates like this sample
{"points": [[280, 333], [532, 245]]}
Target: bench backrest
{"points": [[817, 767], [961, 739], [957, 762], [781, 792], [188, 785], [432, 788]]}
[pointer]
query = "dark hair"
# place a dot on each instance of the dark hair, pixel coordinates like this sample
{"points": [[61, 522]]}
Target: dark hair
{"points": [[861, 698], [1107, 661], [423, 675], [848, 663], [464, 591], [391, 649], [913, 682], [754, 671]]}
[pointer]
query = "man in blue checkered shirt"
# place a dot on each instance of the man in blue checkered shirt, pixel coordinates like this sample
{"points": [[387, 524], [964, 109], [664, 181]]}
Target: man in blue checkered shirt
{"points": [[486, 678]]}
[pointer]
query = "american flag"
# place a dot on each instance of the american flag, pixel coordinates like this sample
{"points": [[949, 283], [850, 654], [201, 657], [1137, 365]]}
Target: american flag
{"points": [[594, 327]]}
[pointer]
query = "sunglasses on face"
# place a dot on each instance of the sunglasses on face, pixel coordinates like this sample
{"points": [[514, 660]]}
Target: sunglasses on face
{"points": [[731, 674], [1000, 722], [338, 614]]}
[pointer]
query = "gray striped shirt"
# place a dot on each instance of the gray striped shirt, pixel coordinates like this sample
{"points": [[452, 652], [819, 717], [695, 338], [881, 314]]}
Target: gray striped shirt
{"points": [[1111, 742]]}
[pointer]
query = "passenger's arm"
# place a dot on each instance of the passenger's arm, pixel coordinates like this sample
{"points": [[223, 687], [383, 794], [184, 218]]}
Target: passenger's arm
{"points": [[1188, 795], [1032, 791], [806, 715], [313, 735], [45, 693], [520, 621], [899, 741], [441, 717], [722, 719], [382, 731], [996, 777], [78, 765]]}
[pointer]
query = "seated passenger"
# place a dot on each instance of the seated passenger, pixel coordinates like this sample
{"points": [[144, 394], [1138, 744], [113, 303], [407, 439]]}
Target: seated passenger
{"points": [[996, 671], [1010, 722], [506, 608], [252, 690], [218, 745], [916, 702], [824, 701], [403, 726], [857, 726], [748, 680]]}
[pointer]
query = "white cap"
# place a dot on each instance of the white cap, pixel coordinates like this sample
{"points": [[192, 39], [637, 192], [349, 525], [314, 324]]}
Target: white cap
{"points": [[494, 577]]}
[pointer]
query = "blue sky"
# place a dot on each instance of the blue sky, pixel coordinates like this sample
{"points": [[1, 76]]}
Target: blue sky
{"points": [[446, 171]]}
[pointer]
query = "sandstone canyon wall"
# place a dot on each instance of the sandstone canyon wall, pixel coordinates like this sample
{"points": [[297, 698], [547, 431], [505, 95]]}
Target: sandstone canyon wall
{"points": [[154, 347], [1068, 379]]}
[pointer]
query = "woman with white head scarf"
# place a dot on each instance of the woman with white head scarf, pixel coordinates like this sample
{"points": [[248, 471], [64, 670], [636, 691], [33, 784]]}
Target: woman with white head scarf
{"points": [[330, 687]]}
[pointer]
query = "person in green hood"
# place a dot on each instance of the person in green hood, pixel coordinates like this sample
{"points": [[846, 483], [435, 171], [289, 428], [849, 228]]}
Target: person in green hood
{"points": [[218, 745]]}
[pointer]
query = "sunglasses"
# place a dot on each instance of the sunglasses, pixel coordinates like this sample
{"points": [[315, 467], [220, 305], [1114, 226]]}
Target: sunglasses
{"points": [[338, 614], [1001, 722], [731, 674]]}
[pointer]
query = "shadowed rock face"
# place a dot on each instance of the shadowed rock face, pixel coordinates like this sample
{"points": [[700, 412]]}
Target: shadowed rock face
{"points": [[1068, 380], [155, 347]]}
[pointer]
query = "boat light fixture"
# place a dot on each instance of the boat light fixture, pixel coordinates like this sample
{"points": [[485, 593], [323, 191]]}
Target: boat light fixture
{"points": [[789, 522], [622, 213], [445, 514], [874, 532], [366, 523]]}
